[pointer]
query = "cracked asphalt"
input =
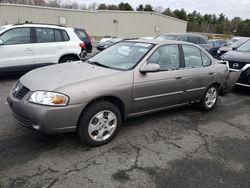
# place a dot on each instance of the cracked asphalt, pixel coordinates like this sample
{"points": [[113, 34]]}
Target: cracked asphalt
{"points": [[183, 147]]}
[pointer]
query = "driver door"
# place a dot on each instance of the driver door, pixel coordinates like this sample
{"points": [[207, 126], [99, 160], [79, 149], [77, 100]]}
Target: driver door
{"points": [[160, 89], [17, 48]]}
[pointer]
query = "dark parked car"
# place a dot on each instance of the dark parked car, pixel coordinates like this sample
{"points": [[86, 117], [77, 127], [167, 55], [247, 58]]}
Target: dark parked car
{"points": [[83, 35], [187, 37], [128, 79], [239, 60], [216, 44], [105, 44]]}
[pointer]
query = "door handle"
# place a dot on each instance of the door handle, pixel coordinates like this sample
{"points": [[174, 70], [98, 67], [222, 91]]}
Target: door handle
{"points": [[28, 50], [178, 77]]}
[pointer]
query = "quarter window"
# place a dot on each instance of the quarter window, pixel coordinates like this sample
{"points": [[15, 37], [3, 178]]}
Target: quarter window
{"points": [[58, 36], [167, 57], [16, 36], [206, 61], [192, 56]]}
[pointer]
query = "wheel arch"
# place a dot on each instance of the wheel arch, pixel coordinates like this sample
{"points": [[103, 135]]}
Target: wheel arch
{"points": [[70, 55], [112, 99]]}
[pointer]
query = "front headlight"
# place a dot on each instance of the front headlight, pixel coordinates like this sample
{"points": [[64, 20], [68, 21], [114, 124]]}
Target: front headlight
{"points": [[49, 98]]}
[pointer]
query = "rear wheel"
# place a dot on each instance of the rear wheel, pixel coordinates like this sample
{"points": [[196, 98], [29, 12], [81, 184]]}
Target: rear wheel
{"points": [[99, 123], [67, 59], [209, 99]]}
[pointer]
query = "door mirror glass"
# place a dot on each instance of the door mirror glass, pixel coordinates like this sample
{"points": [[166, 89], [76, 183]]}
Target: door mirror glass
{"points": [[151, 67], [1, 42]]}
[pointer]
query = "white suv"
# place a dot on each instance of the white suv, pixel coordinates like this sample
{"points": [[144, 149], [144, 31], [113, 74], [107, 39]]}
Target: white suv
{"points": [[27, 46]]}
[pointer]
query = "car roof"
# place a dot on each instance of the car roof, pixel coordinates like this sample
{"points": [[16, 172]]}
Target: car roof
{"points": [[179, 34], [34, 25], [159, 41]]}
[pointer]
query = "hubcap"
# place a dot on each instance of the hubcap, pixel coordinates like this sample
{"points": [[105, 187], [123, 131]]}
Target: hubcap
{"points": [[211, 97], [102, 125]]}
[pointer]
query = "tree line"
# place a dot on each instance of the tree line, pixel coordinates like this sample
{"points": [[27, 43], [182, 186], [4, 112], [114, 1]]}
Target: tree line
{"points": [[207, 23]]}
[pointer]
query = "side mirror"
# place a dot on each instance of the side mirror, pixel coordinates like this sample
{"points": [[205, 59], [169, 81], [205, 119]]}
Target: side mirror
{"points": [[1, 42], [150, 67]]}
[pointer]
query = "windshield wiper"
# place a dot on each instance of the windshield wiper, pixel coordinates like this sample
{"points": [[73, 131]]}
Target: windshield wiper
{"points": [[97, 63]]}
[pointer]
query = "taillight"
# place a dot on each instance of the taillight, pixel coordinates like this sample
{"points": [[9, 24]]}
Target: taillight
{"points": [[82, 45]]}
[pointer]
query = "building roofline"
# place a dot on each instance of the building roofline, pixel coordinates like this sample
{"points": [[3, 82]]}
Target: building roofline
{"points": [[92, 11]]}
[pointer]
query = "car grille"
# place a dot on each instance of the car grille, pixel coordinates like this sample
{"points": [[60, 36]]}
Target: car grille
{"points": [[236, 65], [22, 120], [20, 91]]}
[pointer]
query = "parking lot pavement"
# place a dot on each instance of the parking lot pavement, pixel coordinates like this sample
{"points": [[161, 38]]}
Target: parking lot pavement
{"points": [[176, 148]]}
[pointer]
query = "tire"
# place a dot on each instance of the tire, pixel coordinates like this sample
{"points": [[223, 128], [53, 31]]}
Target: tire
{"points": [[209, 99], [66, 59], [94, 128]]}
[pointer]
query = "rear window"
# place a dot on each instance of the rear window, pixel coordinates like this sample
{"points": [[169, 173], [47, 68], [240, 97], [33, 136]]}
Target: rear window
{"points": [[167, 37], [193, 39], [81, 34]]}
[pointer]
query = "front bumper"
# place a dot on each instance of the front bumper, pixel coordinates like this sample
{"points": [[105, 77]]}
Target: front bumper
{"points": [[47, 119], [244, 77]]}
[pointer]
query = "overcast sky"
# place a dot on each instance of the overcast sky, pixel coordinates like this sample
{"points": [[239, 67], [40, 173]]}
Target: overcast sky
{"points": [[231, 8]]}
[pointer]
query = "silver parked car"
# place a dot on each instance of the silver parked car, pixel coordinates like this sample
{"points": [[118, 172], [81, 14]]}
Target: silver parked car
{"points": [[128, 79]]}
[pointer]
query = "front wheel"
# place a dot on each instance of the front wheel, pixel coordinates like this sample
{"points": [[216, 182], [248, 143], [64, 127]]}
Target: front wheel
{"points": [[99, 123], [209, 99]]}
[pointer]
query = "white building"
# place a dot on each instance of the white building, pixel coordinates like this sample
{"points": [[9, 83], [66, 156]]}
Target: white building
{"points": [[97, 23]]}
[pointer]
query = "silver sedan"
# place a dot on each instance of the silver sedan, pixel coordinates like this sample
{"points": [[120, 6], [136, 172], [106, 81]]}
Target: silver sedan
{"points": [[131, 78]]}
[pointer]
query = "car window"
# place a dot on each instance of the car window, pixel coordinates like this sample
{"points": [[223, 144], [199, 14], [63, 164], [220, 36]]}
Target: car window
{"points": [[193, 39], [58, 36], [81, 34], [167, 57], [45, 35], [192, 56], [124, 55], [245, 47], [16, 36], [183, 38], [202, 41], [206, 61], [167, 37], [65, 35]]}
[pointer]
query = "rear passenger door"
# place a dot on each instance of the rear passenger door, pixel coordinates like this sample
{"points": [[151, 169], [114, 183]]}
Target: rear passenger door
{"points": [[49, 45], [197, 74]]}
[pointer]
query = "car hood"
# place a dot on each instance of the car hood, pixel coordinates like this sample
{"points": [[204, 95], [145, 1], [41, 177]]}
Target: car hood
{"points": [[236, 56], [225, 48], [53, 77]]}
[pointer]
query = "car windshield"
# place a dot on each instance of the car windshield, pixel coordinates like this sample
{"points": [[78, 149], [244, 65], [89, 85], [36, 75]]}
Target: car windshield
{"points": [[167, 37], [123, 56], [236, 44], [245, 47]]}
